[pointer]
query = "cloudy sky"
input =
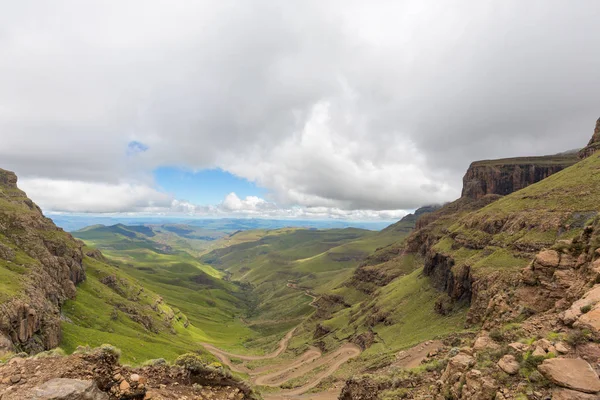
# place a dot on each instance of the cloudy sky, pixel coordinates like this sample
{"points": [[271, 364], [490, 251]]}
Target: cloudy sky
{"points": [[299, 108]]}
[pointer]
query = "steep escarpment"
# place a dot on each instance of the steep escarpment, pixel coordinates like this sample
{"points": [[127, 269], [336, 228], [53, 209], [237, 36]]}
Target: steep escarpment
{"points": [[525, 268], [593, 145], [40, 265], [506, 176]]}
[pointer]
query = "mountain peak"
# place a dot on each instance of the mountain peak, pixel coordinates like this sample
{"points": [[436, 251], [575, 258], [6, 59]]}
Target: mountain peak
{"points": [[594, 143], [8, 179]]}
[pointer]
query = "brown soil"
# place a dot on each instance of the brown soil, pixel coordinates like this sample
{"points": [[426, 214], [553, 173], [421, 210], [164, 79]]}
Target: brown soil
{"points": [[413, 357]]}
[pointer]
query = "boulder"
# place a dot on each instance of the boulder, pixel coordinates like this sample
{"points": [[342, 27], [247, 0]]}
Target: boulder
{"points": [[563, 348], [548, 258], [485, 342], [455, 371], [589, 299], [571, 373], [67, 389], [509, 365], [590, 320], [519, 347], [566, 394], [539, 352], [478, 386]]}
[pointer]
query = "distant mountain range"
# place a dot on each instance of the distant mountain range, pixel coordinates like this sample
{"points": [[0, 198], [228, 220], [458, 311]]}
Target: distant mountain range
{"points": [[73, 222]]}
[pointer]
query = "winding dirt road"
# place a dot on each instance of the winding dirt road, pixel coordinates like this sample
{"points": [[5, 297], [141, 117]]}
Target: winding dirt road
{"points": [[277, 374], [283, 343], [284, 372]]}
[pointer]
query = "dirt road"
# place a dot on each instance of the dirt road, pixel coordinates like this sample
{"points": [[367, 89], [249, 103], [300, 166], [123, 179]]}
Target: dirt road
{"points": [[282, 347], [286, 371], [277, 374]]}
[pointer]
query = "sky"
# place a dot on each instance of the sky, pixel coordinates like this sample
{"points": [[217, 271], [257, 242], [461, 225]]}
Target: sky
{"points": [[285, 109]]}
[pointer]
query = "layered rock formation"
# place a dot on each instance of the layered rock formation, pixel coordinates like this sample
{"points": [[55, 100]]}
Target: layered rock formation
{"points": [[525, 267], [593, 145], [42, 263], [505, 176]]}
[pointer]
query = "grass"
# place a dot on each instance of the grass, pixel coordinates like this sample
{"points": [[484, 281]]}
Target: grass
{"points": [[95, 317]]}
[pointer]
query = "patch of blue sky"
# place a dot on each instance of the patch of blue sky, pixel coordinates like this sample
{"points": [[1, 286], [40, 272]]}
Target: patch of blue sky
{"points": [[209, 186], [136, 147]]}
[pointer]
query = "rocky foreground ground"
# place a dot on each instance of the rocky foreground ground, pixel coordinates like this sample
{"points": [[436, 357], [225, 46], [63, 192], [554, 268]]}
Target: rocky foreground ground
{"points": [[97, 375]]}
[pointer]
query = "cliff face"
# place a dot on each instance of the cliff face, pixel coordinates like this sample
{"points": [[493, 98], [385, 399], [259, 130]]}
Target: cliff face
{"points": [[503, 177], [594, 143], [40, 265]]}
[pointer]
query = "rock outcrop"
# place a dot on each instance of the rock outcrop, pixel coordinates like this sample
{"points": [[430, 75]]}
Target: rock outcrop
{"points": [[95, 374], [505, 176], [571, 373], [593, 145], [45, 264]]}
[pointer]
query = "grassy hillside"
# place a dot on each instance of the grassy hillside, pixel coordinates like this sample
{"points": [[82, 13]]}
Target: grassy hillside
{"points": [[313, 260], [503, 235], [112, 307], [199, 291]]}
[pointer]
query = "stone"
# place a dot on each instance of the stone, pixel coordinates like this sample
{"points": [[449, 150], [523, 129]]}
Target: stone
{"points": [[68, 389], [134, 378], [567, 261], [562, 348], [566, 394], [509, 364], [548, 258], [478, 386], [590, 320], [571, 373], [539, 352], [544, 344], [485, 342], [589, 299], [15, 379], [124, 386], [519, 347]]}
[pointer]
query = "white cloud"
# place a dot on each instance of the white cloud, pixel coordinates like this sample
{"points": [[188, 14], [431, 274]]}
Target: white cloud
{"points": [[334, 107], [84, 197], [78, 196]]}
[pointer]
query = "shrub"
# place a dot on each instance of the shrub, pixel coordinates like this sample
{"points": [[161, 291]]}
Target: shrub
{"points": [[497, 335], [529, 364], [58, 352], [83, 350], [577, 337], [155, 362], [112, 350], [586, 309]]}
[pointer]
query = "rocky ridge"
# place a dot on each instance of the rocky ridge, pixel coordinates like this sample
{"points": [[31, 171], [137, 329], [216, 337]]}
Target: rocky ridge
{"points": [[526, 266], [593, 145], [43, 265], [95, 374], [506, 176]]}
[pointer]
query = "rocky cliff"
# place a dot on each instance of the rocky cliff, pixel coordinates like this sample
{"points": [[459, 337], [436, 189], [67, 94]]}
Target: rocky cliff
{"points": [[524, 267], [594, 143], [505, 176], [40, 265]]}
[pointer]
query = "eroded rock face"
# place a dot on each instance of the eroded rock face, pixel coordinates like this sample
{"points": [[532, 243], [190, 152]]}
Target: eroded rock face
{"points": [[503, 177], [594, 144], [571, 373], [51, 261]]}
